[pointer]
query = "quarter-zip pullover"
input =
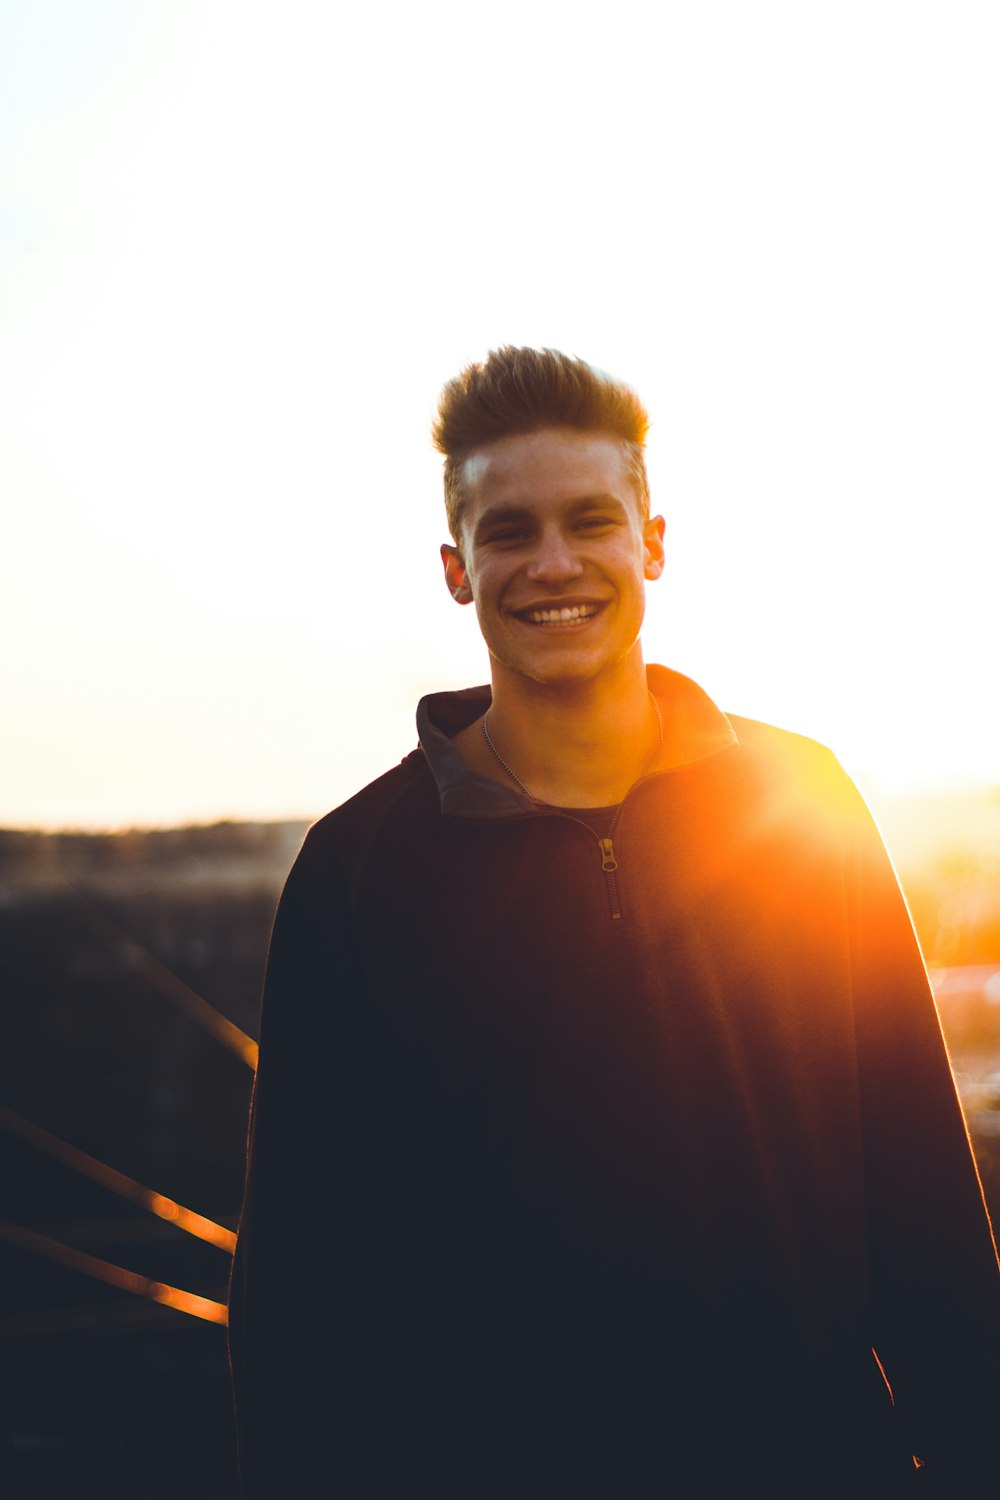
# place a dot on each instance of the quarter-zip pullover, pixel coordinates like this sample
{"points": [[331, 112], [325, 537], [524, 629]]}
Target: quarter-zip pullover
{"points": [[607, 1163]]}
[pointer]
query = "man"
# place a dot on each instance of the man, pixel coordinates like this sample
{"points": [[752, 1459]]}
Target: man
{"points": [[604, 1142]]}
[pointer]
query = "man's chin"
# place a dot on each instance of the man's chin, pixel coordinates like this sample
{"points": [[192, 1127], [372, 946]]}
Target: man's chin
{"points": [[555, 670]]}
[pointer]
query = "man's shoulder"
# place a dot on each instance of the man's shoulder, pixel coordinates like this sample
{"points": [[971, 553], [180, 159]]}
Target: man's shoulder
{"points": [[769, 742], [797, 775], [337, 845], [359, 814]]}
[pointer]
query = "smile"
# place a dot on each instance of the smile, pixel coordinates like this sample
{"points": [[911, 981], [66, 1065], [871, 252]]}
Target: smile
{"points": [[569, 614]]}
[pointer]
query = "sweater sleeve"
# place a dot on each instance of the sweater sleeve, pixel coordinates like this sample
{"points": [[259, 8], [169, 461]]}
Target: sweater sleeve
{"points": [[301, 1340], [933, 1262]]}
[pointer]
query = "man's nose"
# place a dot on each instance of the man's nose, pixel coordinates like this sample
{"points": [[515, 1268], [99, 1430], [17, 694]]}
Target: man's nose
{"points": [[554, 559]]}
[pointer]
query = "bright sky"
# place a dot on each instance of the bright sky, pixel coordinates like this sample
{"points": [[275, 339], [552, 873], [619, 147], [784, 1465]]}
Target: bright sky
{"points": [[242, 247]]}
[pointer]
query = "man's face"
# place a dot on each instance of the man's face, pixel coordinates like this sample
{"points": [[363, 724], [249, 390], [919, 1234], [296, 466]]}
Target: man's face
{"points": [[554, 553]]}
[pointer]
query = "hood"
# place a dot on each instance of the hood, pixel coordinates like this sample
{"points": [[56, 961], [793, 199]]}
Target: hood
{"points": [[693, 730]]}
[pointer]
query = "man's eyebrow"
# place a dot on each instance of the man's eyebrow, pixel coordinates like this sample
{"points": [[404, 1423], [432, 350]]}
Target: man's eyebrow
{"points": [[597, 502], [498, 515], [502, 514]]}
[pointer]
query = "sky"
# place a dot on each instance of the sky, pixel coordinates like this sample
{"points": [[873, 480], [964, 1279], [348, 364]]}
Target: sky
{"points": [[242, 246]]}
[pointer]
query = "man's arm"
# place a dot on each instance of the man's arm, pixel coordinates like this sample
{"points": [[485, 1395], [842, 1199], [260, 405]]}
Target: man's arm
{"points": [[934, 1274], [297, 1344]]}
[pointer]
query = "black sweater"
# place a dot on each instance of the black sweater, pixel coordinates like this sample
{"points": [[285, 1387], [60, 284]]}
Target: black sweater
{"points": [[576, 1180]]}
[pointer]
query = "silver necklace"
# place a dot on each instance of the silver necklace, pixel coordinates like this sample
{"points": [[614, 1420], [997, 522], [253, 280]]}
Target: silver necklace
{"points": [[513, 774]]}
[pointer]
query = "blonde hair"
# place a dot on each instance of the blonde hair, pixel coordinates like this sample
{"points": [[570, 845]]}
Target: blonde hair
{"points": [[522, 390]]}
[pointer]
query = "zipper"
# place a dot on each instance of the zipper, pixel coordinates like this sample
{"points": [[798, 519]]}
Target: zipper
{"points": [[606, 848], [609, 865]]}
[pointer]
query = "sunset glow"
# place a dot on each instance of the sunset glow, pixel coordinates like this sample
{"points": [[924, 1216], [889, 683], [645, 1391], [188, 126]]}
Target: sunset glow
{"points": [[239, 264]]}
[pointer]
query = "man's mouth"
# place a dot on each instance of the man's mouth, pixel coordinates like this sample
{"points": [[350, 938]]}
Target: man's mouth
{"points": [[566, 614]]}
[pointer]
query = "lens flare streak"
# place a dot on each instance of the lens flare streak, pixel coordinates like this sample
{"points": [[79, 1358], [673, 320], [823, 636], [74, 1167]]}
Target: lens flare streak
{"points": [[117, 1182], [117, 1276]]}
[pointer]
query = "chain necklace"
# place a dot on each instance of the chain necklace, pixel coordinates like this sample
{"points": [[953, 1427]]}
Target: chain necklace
{"points": [[513, 774]]}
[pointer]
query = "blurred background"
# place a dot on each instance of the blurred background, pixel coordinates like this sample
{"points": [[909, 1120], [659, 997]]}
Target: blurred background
{"points": [[241, 248]]}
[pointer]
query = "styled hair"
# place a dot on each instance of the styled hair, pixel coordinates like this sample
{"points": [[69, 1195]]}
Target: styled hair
{"points": [[517, 391]]}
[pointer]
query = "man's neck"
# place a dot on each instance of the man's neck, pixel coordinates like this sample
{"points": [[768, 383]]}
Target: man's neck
{"points": [[569, 744]]}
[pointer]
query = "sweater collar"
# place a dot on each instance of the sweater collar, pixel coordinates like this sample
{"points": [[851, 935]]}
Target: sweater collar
{"points": [[693, 730]]}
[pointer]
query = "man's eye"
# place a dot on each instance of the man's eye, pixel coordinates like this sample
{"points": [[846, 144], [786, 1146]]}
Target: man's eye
{"points": [[592, 523], [508, 534]]}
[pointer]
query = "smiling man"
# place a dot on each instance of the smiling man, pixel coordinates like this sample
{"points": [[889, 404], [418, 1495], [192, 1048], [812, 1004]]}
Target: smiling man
{"points": [[604, 1142], [555, 547]]}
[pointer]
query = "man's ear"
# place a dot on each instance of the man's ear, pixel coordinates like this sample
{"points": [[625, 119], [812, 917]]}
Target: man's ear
{"points": [[653, 541], [455, 575]]}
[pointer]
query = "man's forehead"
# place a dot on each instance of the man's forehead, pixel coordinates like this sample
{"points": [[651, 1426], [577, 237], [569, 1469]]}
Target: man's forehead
{"points": [[548, 455], [475, 466]]}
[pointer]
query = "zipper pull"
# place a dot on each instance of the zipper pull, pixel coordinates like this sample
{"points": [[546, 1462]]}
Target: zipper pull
{"points": [[608, 861]]}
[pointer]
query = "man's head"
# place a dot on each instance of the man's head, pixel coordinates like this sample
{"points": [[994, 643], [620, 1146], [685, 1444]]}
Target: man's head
{"points": [[549, 509], [518, 391]]}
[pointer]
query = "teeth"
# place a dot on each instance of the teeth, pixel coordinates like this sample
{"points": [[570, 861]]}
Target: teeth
{"points": [[563, 616]]}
